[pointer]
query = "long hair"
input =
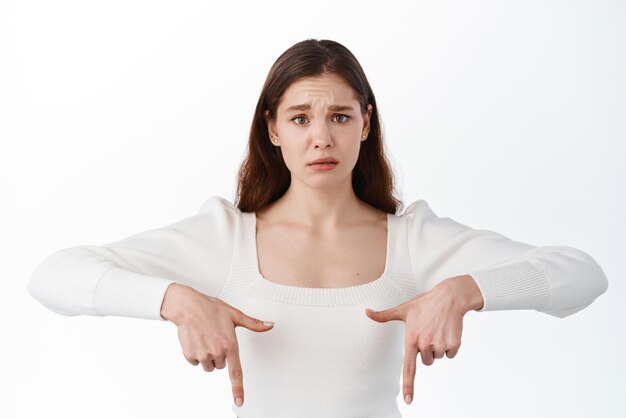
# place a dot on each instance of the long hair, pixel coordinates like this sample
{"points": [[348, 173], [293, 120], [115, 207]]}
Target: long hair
{"points": [[263, 175]]}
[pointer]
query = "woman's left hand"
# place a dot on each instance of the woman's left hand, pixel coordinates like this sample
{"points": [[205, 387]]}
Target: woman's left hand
{"points": [[433, 323]]}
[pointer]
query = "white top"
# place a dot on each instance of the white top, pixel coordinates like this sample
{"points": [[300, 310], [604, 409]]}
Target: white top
{"points": [[324, 357]]}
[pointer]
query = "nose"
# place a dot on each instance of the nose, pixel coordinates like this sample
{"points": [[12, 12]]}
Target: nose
{"points": [[321, 134]]}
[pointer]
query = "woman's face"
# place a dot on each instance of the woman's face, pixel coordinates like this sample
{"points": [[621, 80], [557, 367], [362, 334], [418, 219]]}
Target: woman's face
{"points": [[319, 117]]}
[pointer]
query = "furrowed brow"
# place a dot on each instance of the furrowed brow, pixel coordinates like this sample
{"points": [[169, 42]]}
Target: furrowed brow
{"points": [[299, 107], [340, 108], [307, 106]]}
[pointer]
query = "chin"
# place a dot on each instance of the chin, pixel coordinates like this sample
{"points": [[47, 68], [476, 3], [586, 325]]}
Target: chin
{"points": [[326, 180]]}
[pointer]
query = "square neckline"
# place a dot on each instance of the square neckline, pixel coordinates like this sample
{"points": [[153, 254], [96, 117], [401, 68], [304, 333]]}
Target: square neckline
{"points": [[373, 283]]}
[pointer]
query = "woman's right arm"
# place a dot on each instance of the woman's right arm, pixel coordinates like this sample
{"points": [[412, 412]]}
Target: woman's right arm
{"points": [[172, 273], [131, 277]]}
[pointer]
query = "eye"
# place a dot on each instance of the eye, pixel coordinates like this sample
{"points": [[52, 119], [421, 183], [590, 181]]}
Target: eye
{"points": [[296, 118], [343, 116]]}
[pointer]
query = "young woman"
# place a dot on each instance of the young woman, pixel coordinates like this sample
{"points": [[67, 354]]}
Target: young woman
{"points": [[316, 238]]}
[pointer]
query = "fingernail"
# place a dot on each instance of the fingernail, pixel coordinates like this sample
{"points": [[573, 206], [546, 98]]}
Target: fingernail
{"points": [[238, 401], [407, 399], [370, 311], [268, 323]]}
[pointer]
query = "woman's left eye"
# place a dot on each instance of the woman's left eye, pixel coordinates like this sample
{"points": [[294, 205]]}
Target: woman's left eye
{"points": [[343, 116]]}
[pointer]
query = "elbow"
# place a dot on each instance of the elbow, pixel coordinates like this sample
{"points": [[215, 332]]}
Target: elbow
{"points": [[595, 276], [603, 282], [36, 282], [39, 288], [592, 279], [58, 283], [583, 283]]}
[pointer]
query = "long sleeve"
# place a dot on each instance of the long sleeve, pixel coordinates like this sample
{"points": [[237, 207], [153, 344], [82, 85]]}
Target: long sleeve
{"points": [[129, 277], [556, 280]]}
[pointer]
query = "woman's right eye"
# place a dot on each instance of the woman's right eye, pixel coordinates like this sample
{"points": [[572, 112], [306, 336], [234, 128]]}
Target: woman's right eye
{"points": [[298, 117]]}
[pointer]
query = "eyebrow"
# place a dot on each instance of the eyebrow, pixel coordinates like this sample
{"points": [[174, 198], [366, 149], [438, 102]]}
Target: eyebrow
{"points": [[307, 106]]}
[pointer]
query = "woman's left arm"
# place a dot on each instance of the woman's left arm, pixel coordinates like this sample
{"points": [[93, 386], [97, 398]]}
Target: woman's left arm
{"points": [[556, 280], [459, 269]]}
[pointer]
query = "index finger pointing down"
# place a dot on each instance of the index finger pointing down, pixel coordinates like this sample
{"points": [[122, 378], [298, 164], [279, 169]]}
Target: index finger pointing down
{"points": [[236, 376]]}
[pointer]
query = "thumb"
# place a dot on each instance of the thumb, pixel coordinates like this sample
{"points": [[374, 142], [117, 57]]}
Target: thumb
{"points": [[384, 316], [253, 324]]}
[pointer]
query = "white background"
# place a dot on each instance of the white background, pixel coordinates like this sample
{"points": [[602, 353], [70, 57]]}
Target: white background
{"points": [[121, 116]]}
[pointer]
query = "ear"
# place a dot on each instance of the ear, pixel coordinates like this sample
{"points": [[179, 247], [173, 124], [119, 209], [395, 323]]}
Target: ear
{"points": [[271, 125], [366, 122]]}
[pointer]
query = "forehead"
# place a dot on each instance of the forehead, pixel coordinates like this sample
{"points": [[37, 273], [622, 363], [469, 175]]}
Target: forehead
{"points": [[328, 88]]}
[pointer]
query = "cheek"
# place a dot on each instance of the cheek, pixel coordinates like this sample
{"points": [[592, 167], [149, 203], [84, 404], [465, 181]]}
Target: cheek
{"points": [[288, 129], [292, 156]]}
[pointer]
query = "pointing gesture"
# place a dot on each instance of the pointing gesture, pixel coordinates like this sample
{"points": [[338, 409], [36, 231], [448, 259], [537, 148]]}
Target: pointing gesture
{"points": [[433, 323], [206, 330]]}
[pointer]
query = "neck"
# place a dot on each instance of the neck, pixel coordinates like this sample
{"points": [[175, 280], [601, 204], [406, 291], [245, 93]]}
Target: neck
{"points": [[319, 209]]}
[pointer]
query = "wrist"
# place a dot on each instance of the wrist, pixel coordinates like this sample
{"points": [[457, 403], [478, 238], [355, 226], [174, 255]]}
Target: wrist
{"points": [[173, 302], [465, 292]]}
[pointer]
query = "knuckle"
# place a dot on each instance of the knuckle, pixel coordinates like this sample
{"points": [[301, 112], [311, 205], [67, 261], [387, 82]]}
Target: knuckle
{"points": [[236, 373], [409, 370], [206, 357], [191, 359], [454, 343], [412, 337], [424, 340], [237, 390]]}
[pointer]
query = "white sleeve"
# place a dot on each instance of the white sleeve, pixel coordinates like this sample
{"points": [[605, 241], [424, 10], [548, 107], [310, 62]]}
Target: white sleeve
{"points": [[556, 280], [129, 277]]}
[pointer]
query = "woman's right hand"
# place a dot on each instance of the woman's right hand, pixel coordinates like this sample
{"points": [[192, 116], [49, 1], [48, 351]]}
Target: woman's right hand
{"points": [[206, 330]]}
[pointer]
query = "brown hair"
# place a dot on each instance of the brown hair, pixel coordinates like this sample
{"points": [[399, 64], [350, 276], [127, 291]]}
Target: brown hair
{"points": [[263, 175]]}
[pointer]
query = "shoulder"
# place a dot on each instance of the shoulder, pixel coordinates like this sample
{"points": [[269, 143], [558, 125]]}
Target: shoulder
{"points": [[417, 210], [218, 215], [217, 204], [421, 221]]}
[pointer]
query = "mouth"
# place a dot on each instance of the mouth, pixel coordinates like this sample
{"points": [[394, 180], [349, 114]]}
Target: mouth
{"points": [[324, 161]]}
